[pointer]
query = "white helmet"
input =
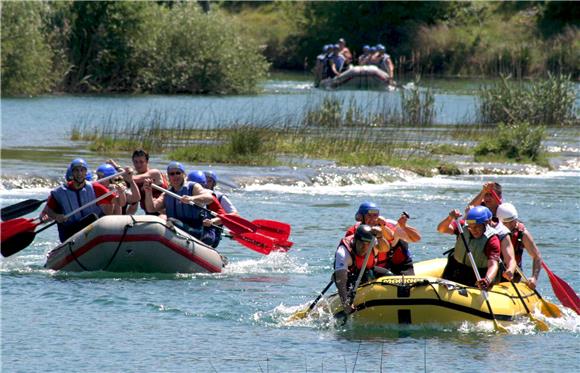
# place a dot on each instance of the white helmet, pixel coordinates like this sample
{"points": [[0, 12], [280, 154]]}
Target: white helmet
{"points": [[507, 212]]}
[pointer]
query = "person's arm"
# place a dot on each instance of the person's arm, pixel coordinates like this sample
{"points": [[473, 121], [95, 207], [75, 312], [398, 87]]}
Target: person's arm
{"points": [[492, 251], [341, 276], [333, 68], [153, 174], [152, 205], [228, 205], [52, 210], [135, 195], [120, 201], [492, 268], [532, 249], [391, 68], [509, 258], [478, 199], [406, 232], [446, 225], [199, 196]]}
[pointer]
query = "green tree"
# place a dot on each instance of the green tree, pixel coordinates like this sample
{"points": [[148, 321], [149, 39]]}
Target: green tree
{"points": [[104, 35], [193, 52], [26, 56], [392, 23]]}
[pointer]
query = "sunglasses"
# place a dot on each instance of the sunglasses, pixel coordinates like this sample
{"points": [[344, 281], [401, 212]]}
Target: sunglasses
{"points": [[174, 173]]}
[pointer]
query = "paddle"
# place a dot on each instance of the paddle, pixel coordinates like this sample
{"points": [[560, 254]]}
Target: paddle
{"points": [[539, 323], [303, 313], [20, 208], [273, 228], [243, 230], [254, 241], [17, 234], [548, 309], [497, 326], [240, 225], [562, 290], [362, 271], [25, 207]]}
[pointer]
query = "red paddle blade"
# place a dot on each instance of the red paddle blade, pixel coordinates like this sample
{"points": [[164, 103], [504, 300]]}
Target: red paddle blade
{"points": [[11, 228], [276, 229], [283, 246], [17, 243], [257, 242], [563, 291], [237, 224]]}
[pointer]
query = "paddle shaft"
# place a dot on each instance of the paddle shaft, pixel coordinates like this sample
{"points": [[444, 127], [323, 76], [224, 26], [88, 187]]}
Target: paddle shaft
{"points": [[96, 200], [30, 205], [364, 267], [320, 295], [22, 239], [232, 222], [178, 197], [476, 272]]}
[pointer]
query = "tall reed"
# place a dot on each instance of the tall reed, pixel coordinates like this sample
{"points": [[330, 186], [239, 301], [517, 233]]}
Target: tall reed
{"points": [[549, 101]]}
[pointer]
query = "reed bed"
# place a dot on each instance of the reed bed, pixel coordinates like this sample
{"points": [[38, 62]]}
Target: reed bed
{"points": [[383, 132], [549, 101]]}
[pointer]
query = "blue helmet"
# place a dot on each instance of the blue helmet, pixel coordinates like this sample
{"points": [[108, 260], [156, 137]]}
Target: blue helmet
{"points": [[197, 177], [366, 48], [175, 166], [211, 175], [68, 175], [365, 208], [78, 162], [106, 169], [381, 47], [373, 49], [478, 215], [325, 48]]}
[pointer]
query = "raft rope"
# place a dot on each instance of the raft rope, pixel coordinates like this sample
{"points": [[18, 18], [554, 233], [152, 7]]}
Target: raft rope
{"points": [[125, 230], [69, 245]]}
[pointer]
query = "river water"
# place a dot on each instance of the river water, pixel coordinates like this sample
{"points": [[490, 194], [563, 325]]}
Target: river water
{"points": [[235, 321]]}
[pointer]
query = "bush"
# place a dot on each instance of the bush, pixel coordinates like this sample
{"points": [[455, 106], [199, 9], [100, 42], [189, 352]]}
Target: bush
{"points": [[26, 56], [546, 102], [193, 52], [514, 141]]}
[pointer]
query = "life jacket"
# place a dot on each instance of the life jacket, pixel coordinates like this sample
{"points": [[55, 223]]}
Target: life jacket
{"points": [[477, 247], [517, 237], [188, 214], [357, 261], [398, 255], [70, 200], [383, 65]]}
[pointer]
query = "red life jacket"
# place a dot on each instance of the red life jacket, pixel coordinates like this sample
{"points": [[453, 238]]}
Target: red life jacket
{"points": [[396, 256], [357, 260], [517, 237]]}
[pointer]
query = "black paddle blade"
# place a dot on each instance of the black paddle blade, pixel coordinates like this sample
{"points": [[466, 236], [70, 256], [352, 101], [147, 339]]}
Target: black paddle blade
{"points": [[19, 209], [17, 243]]}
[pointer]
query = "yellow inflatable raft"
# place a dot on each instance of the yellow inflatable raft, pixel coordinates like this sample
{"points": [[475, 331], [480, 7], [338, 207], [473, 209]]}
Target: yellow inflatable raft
{"points": [[426, 298]]}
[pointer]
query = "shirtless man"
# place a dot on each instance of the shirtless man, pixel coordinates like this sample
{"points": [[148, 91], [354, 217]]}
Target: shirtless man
{"points": [[140, 160]]}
